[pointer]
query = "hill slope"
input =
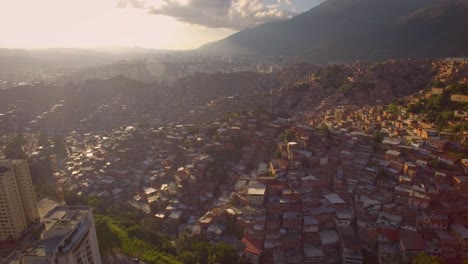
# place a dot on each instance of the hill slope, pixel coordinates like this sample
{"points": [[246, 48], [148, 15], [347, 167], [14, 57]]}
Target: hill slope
{"points": [[344, 30]]}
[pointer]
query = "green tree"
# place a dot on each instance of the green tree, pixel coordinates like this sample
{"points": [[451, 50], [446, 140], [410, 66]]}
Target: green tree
{"points": [[235, 200], [288, 136], [223, 253], [331, 76], [59, 146], [234, 228], [46, 189], [277, 154], [392, 108], [437, 83], [202, 252], [72, 198], [424, 258], [299, 87], [43, 139], [136, 231], [384, 175], [240, 141], [377, 137], [41, 170], [188, 257], [193, 130], [324, 131], [108, 237], [111, 237], [14, 149]]}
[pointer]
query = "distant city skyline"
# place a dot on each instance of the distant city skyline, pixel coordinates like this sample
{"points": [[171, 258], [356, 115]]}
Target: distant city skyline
{"points": [[158, 24]]}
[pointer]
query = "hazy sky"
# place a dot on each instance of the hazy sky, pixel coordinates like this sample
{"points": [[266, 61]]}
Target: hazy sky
{"points": [[165, 24]]}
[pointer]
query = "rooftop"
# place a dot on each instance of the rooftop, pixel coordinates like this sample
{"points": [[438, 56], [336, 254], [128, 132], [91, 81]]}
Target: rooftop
{"points": [[252, 246], [334, 198], [256, 191], [46, 205], [65, 226], [313, 252], [393, 152], [310, 220], [329, 237], [175, 215]]}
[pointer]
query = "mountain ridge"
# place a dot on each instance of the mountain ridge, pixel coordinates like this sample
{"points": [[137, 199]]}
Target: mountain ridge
{"points": [[346, 30]]}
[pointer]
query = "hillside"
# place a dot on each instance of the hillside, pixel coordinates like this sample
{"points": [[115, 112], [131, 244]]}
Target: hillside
{"points": [[195, 99], [346, 30]]}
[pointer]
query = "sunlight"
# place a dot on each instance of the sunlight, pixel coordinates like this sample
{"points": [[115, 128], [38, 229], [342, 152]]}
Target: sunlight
{"points": [[88, 23]]}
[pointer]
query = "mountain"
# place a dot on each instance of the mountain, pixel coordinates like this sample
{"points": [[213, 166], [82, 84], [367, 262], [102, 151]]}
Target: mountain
{"points": [[346, 30]]}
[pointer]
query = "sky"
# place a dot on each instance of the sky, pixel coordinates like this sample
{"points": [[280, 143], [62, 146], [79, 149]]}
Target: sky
{"points": [[158, 24]]}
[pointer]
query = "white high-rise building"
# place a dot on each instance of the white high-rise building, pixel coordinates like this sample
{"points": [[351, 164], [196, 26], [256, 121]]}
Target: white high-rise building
{"points": [[69, 238], [18, 208]]}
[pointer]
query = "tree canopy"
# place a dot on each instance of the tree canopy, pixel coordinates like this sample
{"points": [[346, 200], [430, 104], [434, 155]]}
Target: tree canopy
{"points": [[424, 258]]}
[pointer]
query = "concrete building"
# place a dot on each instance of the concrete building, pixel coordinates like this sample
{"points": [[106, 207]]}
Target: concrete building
{"points": [[343, 218], [69, 237], [18, 208], [313, 255], [256, 196]]}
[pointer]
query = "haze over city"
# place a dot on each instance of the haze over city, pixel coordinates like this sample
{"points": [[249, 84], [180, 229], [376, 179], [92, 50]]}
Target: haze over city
{"points": [[233, 131]]}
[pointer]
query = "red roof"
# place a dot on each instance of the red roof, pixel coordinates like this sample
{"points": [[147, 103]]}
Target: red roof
{"points": [[252, 246]]}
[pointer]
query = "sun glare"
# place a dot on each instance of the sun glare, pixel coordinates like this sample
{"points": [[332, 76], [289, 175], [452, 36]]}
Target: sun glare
{"points": [[87, 23]]}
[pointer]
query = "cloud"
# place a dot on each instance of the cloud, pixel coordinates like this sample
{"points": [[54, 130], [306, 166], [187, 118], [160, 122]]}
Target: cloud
{"points": [[232, 14]]}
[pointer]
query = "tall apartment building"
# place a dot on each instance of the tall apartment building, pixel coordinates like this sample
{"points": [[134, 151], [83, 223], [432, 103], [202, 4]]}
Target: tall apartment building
{"points": [[69, 238], [18, 208]]}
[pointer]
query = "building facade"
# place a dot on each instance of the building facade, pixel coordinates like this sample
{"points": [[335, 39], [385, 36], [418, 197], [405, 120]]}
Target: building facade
{"points": [[70, 238], [18, 208]]}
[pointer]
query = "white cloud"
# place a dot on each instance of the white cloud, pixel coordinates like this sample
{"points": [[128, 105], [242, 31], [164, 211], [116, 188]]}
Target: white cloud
{"points": [[233, 14]]}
